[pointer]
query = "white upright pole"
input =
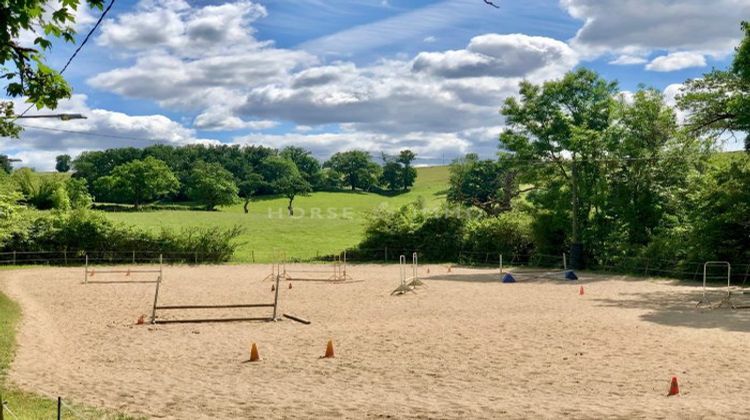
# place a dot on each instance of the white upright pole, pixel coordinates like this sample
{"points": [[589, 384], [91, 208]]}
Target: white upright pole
{"points": [[501, 264], [565, 262], [86, 271]]}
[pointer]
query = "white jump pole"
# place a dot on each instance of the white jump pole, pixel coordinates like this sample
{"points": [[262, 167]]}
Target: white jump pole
{"points": [[501, 264], [565, 261], [86, 271]]}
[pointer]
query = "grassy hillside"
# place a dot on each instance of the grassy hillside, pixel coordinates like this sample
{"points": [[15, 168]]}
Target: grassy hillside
{"points": [[324, 222]]}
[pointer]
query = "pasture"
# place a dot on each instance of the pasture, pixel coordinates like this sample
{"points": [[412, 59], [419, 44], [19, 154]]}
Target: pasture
{"points": [[463, 346], [324, 222]]}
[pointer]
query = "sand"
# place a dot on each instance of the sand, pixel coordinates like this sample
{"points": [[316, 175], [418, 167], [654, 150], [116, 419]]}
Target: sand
{"points": [[465, 346]]}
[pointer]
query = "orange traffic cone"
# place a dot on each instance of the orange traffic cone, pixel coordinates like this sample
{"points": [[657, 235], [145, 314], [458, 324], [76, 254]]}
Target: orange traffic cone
{"points": [[141, 320], [674, 389], [329, 350], [254, 357], [580, 291], [128, 273], [91, 274], [449, 269]]}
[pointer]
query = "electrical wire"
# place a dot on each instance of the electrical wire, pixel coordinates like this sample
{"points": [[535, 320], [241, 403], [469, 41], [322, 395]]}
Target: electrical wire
{"points": [[75, 53]]}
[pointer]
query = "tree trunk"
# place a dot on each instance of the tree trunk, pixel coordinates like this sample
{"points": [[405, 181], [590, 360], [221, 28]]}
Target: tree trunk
{"points": [[576, 251], [244, 207], [291, 210]]}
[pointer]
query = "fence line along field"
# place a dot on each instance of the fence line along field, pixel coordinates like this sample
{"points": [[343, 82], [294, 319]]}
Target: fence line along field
{"points": [[465, 345], [324, 222]]}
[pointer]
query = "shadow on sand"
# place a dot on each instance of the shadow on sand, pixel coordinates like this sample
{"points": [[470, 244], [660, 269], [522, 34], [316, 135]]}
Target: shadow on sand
{"points": [[678, 309], [675, 308]]}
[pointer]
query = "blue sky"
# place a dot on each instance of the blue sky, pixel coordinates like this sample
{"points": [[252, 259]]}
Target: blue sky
{"points": [[333, 75]]}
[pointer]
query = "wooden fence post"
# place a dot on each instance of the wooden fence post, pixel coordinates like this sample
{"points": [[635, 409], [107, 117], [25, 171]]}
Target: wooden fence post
{"points": [[59, 408]]}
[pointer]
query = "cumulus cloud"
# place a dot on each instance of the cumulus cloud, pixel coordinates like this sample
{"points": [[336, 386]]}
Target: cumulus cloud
{"points": [[676, 61], [175, 25], [205, 60], [44, 139], [496, 55], [439, 92], [628, 60], [636, 26]]}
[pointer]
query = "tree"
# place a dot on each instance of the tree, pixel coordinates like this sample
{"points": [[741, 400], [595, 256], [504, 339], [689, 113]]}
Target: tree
{"points": [[62, 163], [308, 166], [291, 186], [648, 174], [9, 207], [392, 176], [557, 130], [720, 100], [284, 178], [140, 181], [250, 186], [408, 173], [24, 66], [357, 168], [78, 194], [485, 184], [5, 164], [212, 185]]}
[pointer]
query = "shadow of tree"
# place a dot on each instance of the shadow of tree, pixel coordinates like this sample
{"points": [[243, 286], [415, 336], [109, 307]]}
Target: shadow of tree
{"points": [[678, 309]]}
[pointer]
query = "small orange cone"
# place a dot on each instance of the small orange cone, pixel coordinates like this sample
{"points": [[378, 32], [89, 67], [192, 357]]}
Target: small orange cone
{"points": [[91, 274], [329, 350], [674, 389], [580, 291], [141, 320], [254, 357], [128, 273], [428, 270], [449, 269], [290, 285]]}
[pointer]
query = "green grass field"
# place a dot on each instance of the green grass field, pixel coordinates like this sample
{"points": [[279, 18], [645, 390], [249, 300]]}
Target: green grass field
{"points": [[324, 222]]}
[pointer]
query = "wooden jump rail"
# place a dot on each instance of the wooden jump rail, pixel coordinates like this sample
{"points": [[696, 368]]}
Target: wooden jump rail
{"points": [[408, 284], [338, 275], [157, 307], [91, 272]]}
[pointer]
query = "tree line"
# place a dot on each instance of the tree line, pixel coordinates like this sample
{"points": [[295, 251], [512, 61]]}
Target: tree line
{"points": [[223, 174]]}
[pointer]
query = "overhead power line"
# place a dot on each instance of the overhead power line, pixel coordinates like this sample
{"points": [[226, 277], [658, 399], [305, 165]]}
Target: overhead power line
{"points": [[85, 40]]}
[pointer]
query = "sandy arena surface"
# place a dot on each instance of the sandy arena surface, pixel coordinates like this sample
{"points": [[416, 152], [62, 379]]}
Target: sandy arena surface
{"points": [[465, 346]]}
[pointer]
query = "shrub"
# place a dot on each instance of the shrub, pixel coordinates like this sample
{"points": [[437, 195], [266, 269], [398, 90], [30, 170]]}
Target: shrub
{"points": [[88, 231], [508, 234]]}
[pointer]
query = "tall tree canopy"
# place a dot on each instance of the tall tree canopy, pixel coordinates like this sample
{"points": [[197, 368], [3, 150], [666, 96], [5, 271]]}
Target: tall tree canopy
{"points": [[556, 131], [720, 101], [140, 181]]}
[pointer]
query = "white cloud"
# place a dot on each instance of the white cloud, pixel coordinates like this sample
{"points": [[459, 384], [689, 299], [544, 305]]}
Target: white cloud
{"points": [[676, 61], [45, 138], [628, 60], [496, 55], [634, 27], [441, 101], [176, 26]]}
